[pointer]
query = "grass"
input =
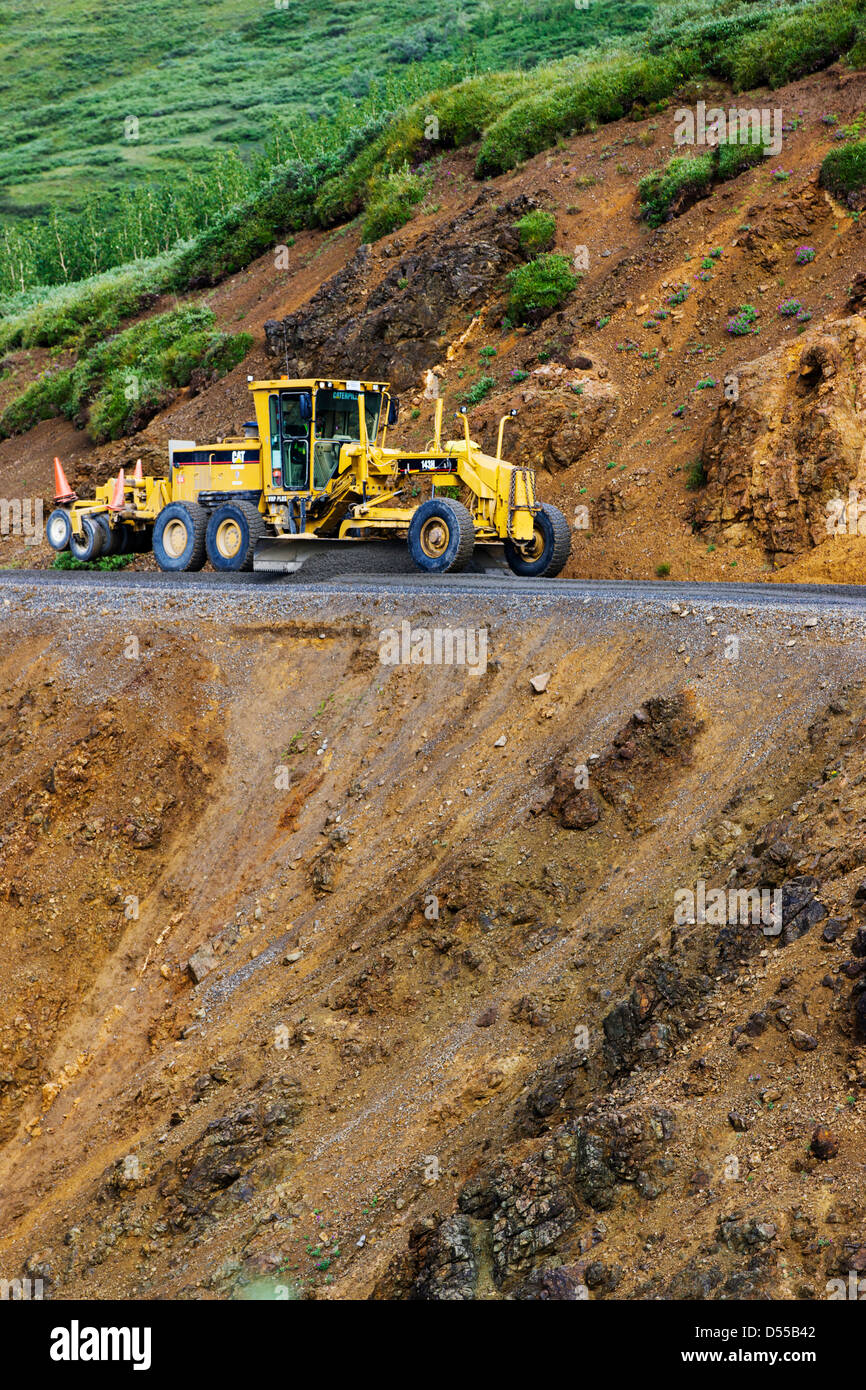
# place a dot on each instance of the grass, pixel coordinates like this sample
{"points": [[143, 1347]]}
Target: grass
{"points": [[150, 119], [77, 314], [393, 199], [212, 74], [685, 179]]}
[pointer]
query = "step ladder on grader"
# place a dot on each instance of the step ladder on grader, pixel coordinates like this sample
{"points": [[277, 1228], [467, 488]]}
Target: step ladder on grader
{"points": [[315, 469]]}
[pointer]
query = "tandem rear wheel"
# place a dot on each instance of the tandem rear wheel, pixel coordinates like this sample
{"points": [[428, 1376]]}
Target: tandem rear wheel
{"points": [[87, 545], [233, 532], [116, 539], [179, 537]]}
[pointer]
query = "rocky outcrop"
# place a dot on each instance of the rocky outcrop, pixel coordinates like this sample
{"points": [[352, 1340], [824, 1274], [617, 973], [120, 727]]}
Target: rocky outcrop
{"points": [[512, 1216], [395, 328], [561, 415], [629, 775], [769, 233], [794, 441]]}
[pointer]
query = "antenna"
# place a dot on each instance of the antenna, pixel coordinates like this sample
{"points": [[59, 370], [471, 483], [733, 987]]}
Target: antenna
{"points": [[286, 347]]}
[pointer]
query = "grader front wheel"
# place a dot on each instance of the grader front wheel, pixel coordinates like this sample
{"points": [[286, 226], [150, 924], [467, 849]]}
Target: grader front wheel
{"points": [[549, 549], [441, 535]]}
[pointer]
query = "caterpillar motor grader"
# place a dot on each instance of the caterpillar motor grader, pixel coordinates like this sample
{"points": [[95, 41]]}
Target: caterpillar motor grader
{"points": [[315, 467]]}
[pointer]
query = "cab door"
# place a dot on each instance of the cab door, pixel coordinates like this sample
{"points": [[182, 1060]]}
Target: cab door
{"points": [[290, 424]]}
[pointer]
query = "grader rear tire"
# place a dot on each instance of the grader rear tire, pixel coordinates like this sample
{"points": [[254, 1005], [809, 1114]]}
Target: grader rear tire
{"points": [[112, 537], [88, 546], [233, 533], [178, 537]]}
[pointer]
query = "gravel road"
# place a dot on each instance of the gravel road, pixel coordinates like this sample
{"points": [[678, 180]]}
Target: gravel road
{"points": [[503, 586]]}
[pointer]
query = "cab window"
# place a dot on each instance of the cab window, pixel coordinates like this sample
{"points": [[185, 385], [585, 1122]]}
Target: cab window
{"points": [[338, 422], [372, 406]]}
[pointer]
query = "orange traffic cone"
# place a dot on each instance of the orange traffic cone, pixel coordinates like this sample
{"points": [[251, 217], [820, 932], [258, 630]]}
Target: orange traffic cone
{"points": [[117, 497], [138, 475], [62, 491]]}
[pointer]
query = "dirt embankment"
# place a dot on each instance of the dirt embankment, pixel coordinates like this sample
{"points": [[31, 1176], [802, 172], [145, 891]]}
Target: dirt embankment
{"points": [[350, 978]]}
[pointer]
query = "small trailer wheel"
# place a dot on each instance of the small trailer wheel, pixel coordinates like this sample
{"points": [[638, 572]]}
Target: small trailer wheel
{"points": [[87, 546], [111, 535], [441, 535], [549, 549], [58, 529], [124, 539], [178, 537]]}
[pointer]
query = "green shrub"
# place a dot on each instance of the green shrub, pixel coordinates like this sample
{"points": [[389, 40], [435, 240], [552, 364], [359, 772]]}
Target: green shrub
{"points": [[683, 179], [118, 384], [537, 230], [794, 45], [696, 477], [575, 97], [742, 324], [844, 170], [66, 561], [539, 287], [482, 387], [393, 200]]}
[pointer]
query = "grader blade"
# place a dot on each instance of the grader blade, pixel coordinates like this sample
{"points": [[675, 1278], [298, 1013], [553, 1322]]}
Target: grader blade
{"points": [[276, 556]]}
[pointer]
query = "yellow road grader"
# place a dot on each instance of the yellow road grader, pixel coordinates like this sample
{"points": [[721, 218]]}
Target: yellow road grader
{"points": [[315, 467]]}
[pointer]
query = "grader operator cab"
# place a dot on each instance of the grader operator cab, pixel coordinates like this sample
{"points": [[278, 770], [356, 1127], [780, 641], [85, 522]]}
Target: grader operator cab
{"points": [[314, 468]]}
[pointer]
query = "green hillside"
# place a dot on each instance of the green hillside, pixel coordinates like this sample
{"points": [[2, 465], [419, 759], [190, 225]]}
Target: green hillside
{"points": [[197, 75], [191, 207]]}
